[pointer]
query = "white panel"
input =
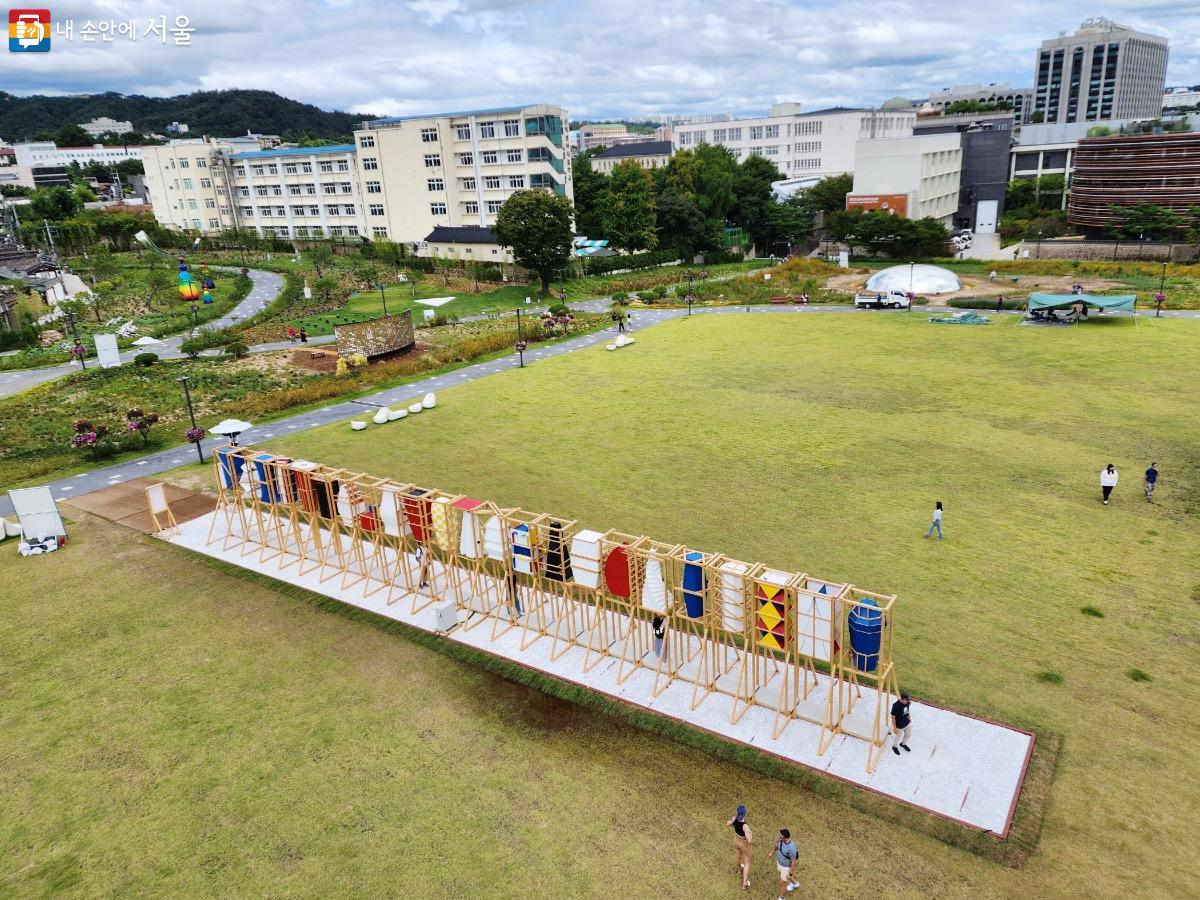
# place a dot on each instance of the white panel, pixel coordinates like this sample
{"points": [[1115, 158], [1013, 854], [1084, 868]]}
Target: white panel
{"points": [[156, 496], [654, 590], [493, 540], [468, 541], [733, 604], [106, 351], [389, 513], [587, 579]]}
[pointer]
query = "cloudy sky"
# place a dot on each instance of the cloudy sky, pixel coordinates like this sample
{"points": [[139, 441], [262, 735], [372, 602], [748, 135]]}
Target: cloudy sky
{"points": [[595, 57]]}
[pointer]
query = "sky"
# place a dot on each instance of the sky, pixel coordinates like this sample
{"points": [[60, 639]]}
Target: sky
{"points": [[596, 58]]}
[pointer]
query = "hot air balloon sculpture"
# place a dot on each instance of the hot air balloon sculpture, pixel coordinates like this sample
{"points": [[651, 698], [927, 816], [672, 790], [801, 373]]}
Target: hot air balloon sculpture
{"points": [[189, 290]]}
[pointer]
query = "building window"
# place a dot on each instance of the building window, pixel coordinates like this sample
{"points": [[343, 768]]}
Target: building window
{"points": [[205, 182], [379, 231], [516, 181], [335, 230], [325, 165], [297, 210], [343, 166], [437, 209], [280, 211], [735, 134], [493, 206], [201, 164], [772, 131], [294, 190], [462, 132], [260, 191], [374, 187], [515, 156], [466, 184], [210, 203], [266, 211], [436, 184], [314, 210], [756, 132], [291, 168], [239, 171], [432, 160], [375, 209], [719, 135], [183, 163], [187, 184], [471, 208], [329, 187], [332, 209], [348, 209], [491, 182], [352, 230], [428, 135], [487, 129], [276, 191], [772, 150], [512, 128], [191, 204], [306, 168], [346, 187], [466, 159], [196, 224], [367, 140], [490, 157], [370, 163], [214, 223]]}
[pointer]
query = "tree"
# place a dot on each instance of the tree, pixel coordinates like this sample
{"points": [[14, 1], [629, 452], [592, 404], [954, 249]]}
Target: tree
{"points": [[1037, 117], [73, 136], [589, 191], [319, 256], [829, 194], [536, 224], [681, 225], [1147, 221], [54, 204], [715, 170], [628, 212], [753, 197]]}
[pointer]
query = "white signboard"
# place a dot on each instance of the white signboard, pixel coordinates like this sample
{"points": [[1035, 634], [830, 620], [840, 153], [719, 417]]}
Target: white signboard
{"points": [[37, 512], [106, 351], [844, 259]]}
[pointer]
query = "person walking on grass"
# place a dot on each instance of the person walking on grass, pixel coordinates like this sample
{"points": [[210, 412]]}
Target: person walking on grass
{"points": [[1151, 481], [742, 839], [1108, 481], [785, 857], [901, 725], [937, 520], [303, 335]]}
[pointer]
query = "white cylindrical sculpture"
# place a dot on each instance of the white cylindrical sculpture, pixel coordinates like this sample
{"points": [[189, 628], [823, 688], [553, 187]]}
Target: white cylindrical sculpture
{"points": [[654, 590], [733, 596]]}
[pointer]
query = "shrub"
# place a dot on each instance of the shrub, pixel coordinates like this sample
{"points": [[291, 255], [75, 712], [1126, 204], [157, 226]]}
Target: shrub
{"points": [[192, 347], [1050, 678], [444, 319], [598, 265], [985, 303], [237, 350], [145, 359], [559, 309], [1091, 611], [1138, 675], [660, 291]]}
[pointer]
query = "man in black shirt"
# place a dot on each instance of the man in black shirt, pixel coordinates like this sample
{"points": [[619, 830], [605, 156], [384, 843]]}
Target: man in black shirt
{"points": [[901, 725]]}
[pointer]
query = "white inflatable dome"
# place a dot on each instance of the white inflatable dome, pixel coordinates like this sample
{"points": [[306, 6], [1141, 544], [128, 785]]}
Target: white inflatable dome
{"points": [[920, 279]]}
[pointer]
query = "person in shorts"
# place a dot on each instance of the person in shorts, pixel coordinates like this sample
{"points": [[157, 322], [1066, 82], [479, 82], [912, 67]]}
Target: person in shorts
{"points": [[785, 856], [742, 839]]}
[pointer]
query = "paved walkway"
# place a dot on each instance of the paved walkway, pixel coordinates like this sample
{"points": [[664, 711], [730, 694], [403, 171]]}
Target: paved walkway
{"points": [[266, 288]]}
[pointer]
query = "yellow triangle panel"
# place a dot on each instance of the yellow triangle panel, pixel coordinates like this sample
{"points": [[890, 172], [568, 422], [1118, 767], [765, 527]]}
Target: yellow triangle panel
{"points": [[769, 640], [770, 613], [768, 591]]}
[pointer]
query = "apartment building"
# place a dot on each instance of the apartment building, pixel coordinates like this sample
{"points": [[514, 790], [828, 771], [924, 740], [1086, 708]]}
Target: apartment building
{"points": [[1102, 71], [918, 175], [647, 154], [457, 169], [298, 192], [105, 125], [820, 143], [187, 184]]}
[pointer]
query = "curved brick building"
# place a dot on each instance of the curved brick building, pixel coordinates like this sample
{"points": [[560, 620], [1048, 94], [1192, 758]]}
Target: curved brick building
{"points": [[1122, 170]]}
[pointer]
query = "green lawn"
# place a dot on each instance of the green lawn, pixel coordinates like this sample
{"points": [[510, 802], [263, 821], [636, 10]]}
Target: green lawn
{"points": [[819, 443], [167, 727]]}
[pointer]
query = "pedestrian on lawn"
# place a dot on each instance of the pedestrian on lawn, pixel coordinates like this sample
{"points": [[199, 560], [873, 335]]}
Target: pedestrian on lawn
{"points": [[785, 857], [901, 724], [1108, 481], [742, 839], [1000, 303], [937, 520], [303, 336], [1151, 481]]}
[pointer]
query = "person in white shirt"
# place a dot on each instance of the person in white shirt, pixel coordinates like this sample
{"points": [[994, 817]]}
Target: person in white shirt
{"points": [[1108, 481], [937, 520]]}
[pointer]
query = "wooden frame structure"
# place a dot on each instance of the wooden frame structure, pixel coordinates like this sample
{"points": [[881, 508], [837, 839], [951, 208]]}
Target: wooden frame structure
{"points": [[156, 499], [787, 642]]}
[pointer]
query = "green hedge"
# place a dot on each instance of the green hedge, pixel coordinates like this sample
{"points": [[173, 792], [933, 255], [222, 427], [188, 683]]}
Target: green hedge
{"points": [[985, 303], [598, 265]]}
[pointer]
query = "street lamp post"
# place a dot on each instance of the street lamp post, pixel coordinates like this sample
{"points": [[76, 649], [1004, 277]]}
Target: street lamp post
{"points": [[187, 394], [383, 298], [75, 336], [520, 339], [691, 278], [1039, 246], [1160, 298], [912, 269]]}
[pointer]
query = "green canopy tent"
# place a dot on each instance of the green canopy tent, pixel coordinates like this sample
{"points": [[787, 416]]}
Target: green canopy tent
{"points": [[1066, 301]]}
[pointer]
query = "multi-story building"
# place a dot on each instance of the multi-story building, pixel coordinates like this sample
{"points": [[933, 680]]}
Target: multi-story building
{"points": [[1021, 99], [297, 192], [48, 154], [1102, 71], [187, 185], [105, 125], [1126, 169], [986, 141], [820, 143], [916, 176], [453, 169], [1176, 99], [647, 154]]}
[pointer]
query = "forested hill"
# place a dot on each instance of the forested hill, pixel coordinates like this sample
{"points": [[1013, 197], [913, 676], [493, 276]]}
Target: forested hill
{"points": [[221, 113]]}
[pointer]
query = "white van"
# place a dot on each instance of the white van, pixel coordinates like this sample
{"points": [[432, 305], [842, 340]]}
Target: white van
{"points": [[881, 300]]}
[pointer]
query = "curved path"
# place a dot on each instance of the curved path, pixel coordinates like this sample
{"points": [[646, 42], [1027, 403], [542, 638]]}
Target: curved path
{"points": [[162, 460], [266, 287]]}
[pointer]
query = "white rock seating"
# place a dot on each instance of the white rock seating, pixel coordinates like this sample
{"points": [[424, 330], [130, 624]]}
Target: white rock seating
{"points": [[384, 415]]}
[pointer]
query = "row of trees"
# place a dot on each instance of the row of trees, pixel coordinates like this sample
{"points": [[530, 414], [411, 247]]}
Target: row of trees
{"points": [[686, 204]]}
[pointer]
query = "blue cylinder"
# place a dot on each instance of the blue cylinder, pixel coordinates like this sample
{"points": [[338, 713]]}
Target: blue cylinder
{"points": [[866, 632], [693, 585], [231, 466]]}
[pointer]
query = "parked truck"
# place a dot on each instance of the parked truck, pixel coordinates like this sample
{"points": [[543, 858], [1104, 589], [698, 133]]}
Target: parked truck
{"points": [[881, 300]]}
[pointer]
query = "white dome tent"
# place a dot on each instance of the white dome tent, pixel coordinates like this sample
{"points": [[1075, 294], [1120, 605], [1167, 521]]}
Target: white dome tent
{"points": [[918, 278]]}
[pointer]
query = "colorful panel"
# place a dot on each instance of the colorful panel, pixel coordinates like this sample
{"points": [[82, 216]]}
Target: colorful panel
{"points": [[654, 590], [302, 471], [441, 522], [268, 490], [470, 535], [416, 513], [693, 584], [231, 464], [557, 560], [770, 602], [616, 572]]}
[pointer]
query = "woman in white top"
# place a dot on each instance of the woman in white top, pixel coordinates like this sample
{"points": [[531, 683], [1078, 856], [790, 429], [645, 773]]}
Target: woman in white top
{"points": [[1108, 481], [937, 520]]}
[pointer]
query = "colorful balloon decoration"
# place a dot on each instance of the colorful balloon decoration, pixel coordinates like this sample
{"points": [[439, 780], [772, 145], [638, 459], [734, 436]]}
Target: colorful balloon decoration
{"points": [[188, 289]]}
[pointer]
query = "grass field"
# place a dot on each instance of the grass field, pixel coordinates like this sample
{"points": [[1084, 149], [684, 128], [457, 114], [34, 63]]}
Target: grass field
{"points": [[260, 745]]}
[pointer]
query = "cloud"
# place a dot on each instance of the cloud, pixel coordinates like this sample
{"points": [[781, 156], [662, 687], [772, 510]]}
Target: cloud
{"points": [[598, 58]]}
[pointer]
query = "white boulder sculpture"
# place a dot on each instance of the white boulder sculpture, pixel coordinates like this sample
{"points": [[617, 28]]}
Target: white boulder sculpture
{"points": [[381, 416], [429, 401], [415, 408], [358, 426], [397, 414]]}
